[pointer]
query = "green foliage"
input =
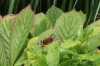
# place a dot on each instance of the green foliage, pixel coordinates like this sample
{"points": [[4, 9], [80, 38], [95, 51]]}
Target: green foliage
{"points": [[52, 56], [73, 45], [14, 30], [71, 49], [3, 60], [68, 25], [42, 23], [53, 14]]}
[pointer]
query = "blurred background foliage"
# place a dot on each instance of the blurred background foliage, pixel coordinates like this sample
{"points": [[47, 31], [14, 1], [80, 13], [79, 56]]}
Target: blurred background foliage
{"points": [[90, 7]]}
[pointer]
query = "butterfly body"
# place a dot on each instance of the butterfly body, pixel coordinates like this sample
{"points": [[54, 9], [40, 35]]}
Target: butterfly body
{"points": [[47, 41]]}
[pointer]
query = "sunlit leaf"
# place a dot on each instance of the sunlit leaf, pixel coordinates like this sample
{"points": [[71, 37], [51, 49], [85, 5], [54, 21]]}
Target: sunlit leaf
{"points": [[36, 60], [52, 57]]}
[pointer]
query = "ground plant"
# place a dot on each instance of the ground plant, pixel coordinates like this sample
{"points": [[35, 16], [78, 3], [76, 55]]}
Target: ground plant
{"points": [[73, 45]]}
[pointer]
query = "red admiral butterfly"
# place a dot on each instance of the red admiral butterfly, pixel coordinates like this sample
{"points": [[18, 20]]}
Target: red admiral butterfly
{"points": [[46, 41]]}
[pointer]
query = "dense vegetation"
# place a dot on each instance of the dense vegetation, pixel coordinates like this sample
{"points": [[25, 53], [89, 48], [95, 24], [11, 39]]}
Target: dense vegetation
{"points": [[21, 35]]}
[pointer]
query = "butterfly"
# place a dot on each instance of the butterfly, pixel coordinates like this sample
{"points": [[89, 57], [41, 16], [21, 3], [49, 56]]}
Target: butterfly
{"points": [[47, 41]]}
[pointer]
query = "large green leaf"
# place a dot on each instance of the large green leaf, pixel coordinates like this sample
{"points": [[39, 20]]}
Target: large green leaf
{"points": [[68, 25], [53, 14], [52, 57], [23, 23], [42, 23], [5, 37]]}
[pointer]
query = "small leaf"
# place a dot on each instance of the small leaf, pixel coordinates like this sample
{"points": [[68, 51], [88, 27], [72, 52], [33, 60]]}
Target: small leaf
{"points": [[68, 25], [53, 14], [52, 57]]}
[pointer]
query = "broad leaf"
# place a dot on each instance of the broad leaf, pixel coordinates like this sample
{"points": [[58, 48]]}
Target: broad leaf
{"points": [[53, 14], [68, 25], [5, 36], [23, 23], [52, 57], [42, 23]]}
